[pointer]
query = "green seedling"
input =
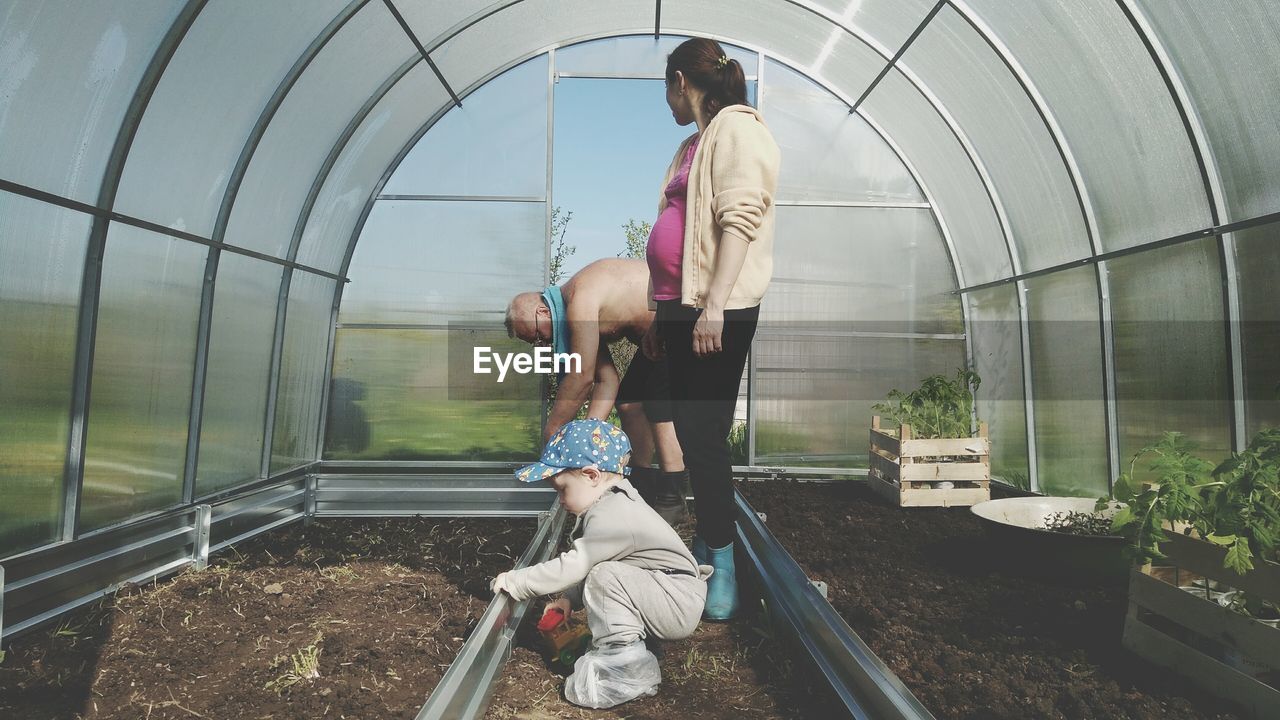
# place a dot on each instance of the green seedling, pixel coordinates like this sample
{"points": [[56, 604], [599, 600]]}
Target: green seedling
{"points": [[1078, 523], [1235, 505], [302, 665], [941, 407]]}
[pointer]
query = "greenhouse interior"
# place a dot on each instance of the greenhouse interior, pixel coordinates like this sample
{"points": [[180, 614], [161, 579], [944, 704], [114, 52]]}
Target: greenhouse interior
{"points": [[250, 253]]}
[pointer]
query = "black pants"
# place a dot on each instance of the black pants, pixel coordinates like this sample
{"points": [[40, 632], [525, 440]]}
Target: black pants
{"points": [[704, 392], [646, 382]]}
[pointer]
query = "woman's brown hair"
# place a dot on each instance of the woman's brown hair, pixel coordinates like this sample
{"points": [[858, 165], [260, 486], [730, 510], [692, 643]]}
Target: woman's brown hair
{"points": [[705, 64]]}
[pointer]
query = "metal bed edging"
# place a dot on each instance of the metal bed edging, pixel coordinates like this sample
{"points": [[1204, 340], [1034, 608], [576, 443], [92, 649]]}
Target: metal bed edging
{"points": [[467, 685], [866, 686]]}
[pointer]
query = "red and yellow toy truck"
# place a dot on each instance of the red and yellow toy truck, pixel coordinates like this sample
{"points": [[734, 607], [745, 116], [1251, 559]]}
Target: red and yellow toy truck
{"points": [[564, 637]]}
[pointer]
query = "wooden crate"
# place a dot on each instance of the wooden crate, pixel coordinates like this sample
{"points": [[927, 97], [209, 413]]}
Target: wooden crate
{"points": [[1227, 654], [906, 470]]}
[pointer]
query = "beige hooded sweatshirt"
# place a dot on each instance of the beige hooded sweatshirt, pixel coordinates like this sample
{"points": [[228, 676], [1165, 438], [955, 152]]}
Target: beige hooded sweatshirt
{"points": [[732, 181], [618, 527]]}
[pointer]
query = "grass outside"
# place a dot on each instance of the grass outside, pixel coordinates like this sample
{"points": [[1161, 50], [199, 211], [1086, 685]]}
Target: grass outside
{"points": [[406, 395]]}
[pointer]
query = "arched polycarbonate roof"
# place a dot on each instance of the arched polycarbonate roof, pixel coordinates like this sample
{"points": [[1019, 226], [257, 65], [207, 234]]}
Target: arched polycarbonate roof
{"points": [[1065, 149]]}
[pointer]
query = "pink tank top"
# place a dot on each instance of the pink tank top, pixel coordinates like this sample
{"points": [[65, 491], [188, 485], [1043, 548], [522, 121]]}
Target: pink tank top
{"points": [[665, 249]]}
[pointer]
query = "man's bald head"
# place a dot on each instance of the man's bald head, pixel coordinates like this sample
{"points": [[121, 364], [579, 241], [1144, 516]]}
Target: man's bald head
{"points": [[528, 318]]}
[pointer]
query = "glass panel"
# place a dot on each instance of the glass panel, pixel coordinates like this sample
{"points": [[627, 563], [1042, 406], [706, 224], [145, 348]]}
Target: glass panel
{"points": [[1258, 265], [1122, 127], [495, 144], [42, 250], [143, 359], [231, 59], [947, 173], [1234, 88], [302, 133], [397, 273], [239, 369], [1066, 369], [1001, 398], [830, 154], [1170, 338], [634, 56], [797, 420], [863, 269], [70, 71], [396, 396], [888, 22], [984, 97], [367, 156], [306, 348]]}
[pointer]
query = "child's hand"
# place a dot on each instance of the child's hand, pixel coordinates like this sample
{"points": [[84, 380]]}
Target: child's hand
{"points": [[499, 584], [561, 604]]}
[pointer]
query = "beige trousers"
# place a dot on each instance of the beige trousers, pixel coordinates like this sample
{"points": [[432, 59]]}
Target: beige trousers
{"points": [[626, 603]]}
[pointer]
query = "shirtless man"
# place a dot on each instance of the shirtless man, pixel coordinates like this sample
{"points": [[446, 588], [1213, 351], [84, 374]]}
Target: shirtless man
{"points": [[605, 301]]}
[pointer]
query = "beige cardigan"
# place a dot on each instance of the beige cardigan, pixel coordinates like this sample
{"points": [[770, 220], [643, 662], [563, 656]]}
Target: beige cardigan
{"points": [[732, 180]]}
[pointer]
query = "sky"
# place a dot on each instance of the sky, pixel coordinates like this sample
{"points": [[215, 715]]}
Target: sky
{"points": [[613, 142]]}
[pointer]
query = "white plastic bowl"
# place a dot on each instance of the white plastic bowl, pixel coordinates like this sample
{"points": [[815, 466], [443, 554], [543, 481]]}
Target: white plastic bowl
{"points": [[1022, 540], [1033, 513]]}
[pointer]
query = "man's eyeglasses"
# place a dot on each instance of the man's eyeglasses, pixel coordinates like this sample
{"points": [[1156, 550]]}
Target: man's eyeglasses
{"points": [[538, 338]]}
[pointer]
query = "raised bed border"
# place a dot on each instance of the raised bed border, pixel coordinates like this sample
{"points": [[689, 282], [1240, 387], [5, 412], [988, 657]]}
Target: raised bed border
{"points": [[467, 686], [1201, 617], [863, 683], [895, 461]]}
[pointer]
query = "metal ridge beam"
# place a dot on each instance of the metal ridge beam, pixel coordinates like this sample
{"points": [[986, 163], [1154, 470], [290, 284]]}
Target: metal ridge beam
{"points": [[413, 38]]}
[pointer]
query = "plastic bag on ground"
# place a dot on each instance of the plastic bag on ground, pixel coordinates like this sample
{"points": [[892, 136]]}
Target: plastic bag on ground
{"points": [[610, 676]]}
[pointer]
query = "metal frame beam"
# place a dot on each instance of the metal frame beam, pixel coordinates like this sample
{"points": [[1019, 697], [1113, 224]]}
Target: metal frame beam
{"points": [[1198, 138], [238, 173], [1091, 227], [304, 216], [413, 38], [136, 551], [73, 477], [893, 61], [1201, 234]]}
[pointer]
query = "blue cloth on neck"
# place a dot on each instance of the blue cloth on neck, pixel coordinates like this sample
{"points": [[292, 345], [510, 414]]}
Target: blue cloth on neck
{"points": [[559, 322]]}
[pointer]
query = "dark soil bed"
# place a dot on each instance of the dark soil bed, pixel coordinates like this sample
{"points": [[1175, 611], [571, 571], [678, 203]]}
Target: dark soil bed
{"points": [[381, 605], [926, 592]]}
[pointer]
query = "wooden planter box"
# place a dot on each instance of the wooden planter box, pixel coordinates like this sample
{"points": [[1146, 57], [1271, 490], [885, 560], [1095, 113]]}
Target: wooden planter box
{"points": [[907, 471], [1225, 653]]}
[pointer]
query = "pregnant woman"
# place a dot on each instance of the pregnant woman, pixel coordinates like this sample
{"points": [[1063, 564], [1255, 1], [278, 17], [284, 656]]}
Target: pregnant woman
{"points": [[710, 258]]}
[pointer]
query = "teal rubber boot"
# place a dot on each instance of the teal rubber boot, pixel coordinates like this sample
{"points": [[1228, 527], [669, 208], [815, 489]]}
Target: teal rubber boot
{"points": [[722, 586]]}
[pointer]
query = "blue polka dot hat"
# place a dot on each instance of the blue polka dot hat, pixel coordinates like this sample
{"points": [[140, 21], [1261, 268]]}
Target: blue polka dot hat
{"points": [[579, 444]]}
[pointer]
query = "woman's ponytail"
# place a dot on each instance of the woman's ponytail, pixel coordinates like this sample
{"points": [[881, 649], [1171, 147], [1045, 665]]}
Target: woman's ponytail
{"points": [[731, 90]]}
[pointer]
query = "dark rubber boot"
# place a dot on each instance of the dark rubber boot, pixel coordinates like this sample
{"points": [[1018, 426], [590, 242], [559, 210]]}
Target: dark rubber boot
{"points": [[668, 500], [645, 481]]}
